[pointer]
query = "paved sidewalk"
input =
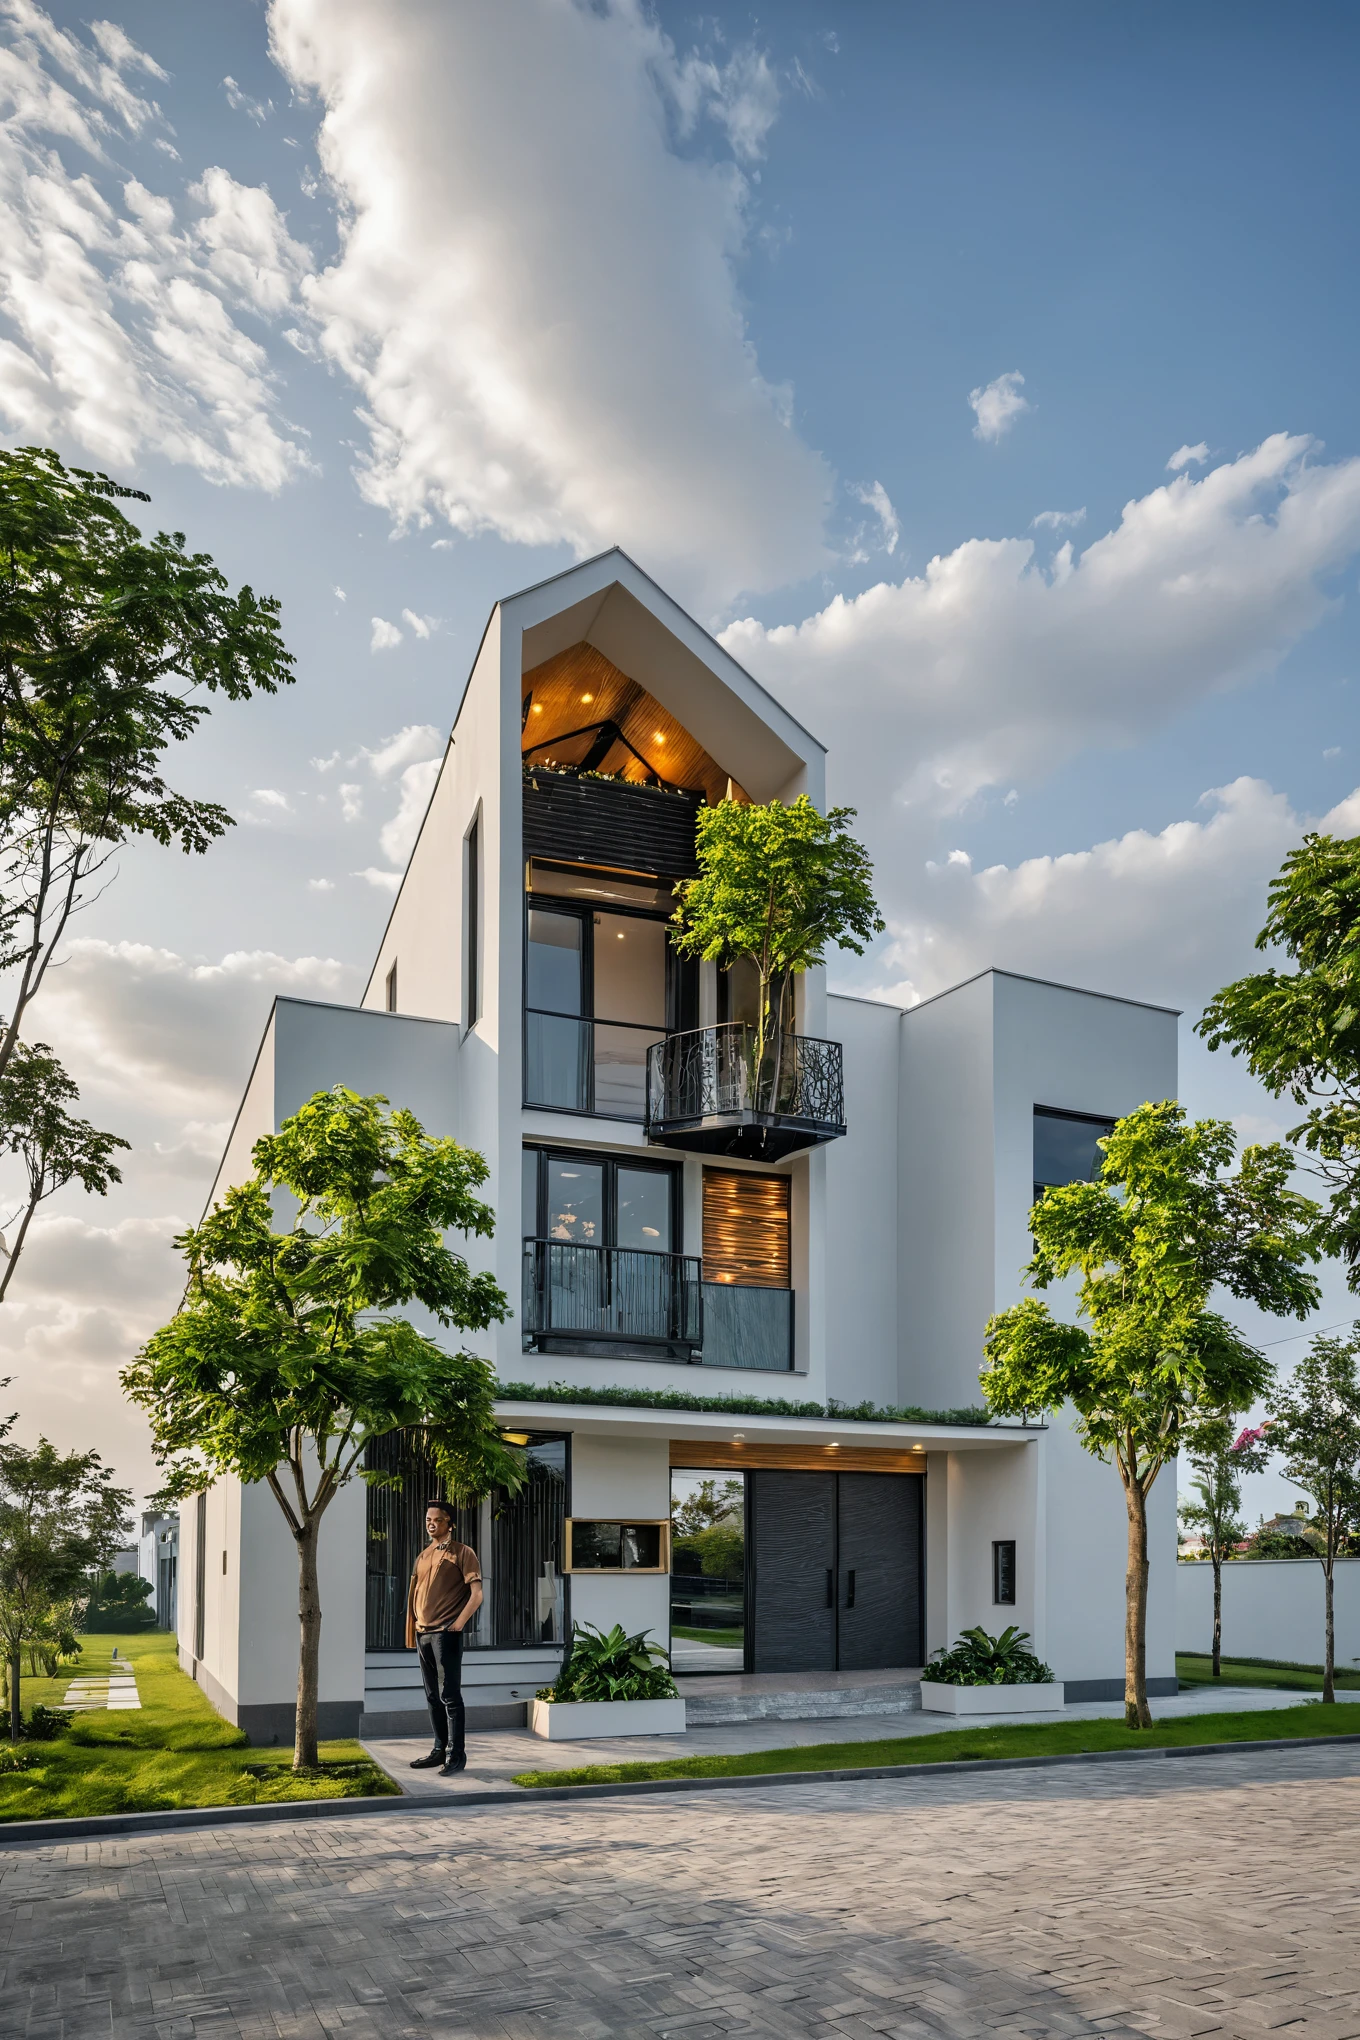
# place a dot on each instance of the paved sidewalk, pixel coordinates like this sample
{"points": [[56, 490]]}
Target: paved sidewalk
{"points": [[1210, 1897], [496, 1755]]}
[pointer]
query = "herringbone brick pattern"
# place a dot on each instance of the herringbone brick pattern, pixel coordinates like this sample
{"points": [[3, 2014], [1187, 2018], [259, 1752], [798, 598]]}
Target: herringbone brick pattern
{"points": [[1202, 1896]]}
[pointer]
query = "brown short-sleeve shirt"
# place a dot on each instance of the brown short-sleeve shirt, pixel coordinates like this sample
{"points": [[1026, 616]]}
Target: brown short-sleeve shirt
{"points": [[441, 1586]]}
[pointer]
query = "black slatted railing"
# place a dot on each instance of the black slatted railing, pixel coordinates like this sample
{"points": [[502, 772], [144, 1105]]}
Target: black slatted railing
{"points": [[617, 1294]]}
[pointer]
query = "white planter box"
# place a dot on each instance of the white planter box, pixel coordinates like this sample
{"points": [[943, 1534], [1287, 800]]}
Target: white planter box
{"points": [[938, 1699], [574, 1720]]}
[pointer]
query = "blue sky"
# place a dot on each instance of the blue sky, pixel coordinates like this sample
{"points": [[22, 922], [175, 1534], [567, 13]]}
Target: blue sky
{"points": [[435, 298]]}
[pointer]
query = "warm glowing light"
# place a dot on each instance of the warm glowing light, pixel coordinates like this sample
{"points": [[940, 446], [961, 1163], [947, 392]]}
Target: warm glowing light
{"points": [[587, 697], [620, 934], [738, 1437], [515, 1437], [834, 1446], [535, 710], [657, 737]]}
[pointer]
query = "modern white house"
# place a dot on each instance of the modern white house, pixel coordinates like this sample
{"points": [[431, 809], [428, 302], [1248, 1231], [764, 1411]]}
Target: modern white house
{"points": [[677, 1229]]}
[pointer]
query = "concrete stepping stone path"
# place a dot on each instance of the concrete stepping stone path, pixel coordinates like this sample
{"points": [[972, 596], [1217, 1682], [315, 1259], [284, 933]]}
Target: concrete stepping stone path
{"points": [[112, 1689]]}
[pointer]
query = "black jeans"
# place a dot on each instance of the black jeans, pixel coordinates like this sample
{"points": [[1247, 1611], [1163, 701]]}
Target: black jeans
{"points": [[441, 1667]]}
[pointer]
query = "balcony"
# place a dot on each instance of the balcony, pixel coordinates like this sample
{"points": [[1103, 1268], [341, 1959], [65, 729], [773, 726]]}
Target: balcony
{"points": [[745, 1326], [707, 1092], [578, 1298]]}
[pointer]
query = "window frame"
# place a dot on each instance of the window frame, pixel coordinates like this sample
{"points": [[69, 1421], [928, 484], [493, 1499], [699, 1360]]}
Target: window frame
{"points": [[390, 988], [1105, 1120], [472, 921], [1002, 1545], [611, 1164]]}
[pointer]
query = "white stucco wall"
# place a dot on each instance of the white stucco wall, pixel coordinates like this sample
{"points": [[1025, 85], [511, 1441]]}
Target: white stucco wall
{"points": [[616, 1480], [862, 1221], [1272, 1608]]}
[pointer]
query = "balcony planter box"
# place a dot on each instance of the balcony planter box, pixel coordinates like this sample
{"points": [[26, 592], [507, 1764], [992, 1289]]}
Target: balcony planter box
{"points": [[940, 1699], [576, 1720]]}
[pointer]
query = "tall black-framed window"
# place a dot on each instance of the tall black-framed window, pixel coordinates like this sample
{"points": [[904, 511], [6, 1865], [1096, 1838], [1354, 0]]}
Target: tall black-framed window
{"points": [[1003, 1572], [1065, 1149], [603, 1274], [594, 1200], [473, 924], [200, 1571], [601, 984]]}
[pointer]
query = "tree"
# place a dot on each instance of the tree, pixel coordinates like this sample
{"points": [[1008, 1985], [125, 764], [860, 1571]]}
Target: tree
{"points": [[61, 1520], [1300, 1029], [776, 884], [282, 1364], [55, 1148], [1218, 1462], [109, 645], [119, 1602], [1315, 1427], [1150, 1240]]}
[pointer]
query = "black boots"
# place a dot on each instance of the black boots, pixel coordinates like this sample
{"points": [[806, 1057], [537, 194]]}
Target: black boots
{"points": [[431, 1763]]}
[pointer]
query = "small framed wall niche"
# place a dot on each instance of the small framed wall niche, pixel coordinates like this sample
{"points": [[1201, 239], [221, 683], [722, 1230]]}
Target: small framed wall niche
{"points": [[595, 1545]]}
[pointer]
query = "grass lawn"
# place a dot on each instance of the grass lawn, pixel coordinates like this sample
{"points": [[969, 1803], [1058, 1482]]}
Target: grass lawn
{"points": [[174, 1751], [1025, 1739], [1193, 1670]]}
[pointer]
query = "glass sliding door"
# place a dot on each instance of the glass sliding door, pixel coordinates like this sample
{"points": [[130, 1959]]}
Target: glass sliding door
{"points": [[708, 1571]]}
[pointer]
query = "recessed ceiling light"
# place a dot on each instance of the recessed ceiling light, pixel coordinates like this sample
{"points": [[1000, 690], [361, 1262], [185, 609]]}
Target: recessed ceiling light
{"points": [[587, 697], [535, 710], [738, 1437]]}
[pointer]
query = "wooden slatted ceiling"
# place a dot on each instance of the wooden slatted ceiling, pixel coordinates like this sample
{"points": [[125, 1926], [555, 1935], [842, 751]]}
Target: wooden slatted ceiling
{"points": [[746, 1228], [580, 686]]}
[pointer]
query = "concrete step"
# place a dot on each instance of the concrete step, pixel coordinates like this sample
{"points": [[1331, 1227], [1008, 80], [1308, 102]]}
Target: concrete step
{"points": [[810, 1703]]}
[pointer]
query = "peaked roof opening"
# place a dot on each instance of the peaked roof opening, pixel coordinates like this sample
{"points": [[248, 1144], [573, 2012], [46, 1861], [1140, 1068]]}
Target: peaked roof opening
{"points": [[580, 713]]}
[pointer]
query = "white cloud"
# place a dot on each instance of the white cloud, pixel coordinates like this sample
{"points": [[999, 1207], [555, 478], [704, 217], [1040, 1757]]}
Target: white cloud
{"points": [[383, 881], [321, 885], [1059, 520], [340, 595], [385, 635], [875, 497], [1166, 916], [116, 328], [421, 625], [148, 1023], [398, 836], [410, 746], [989, 670], [241, 102], [248, 248], [997, 405], [535, 293], [351, 802], [270, 797], [1189, 456], [325, 764], [1332, 751]]}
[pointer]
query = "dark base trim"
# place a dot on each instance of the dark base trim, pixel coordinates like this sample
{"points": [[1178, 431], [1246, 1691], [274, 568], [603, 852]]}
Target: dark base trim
{"points": [[416, 1720], [272, 1721], [1113, 1689]]}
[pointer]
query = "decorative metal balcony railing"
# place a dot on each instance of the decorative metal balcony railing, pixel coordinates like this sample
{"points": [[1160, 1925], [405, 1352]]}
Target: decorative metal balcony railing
{"points": [[577, 1296], [708, 1090]]}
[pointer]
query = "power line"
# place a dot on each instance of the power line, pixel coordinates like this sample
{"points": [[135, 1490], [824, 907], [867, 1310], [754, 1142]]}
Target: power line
{"points": [[1315, 1332]]}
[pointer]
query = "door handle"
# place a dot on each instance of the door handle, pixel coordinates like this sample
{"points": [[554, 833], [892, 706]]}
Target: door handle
{"points": [[850, 1589], [830, 1586]]}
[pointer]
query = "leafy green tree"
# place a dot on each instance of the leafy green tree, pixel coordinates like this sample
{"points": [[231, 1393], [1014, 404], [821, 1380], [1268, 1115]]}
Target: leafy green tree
{"points": [[55, 1149], [1217, 1463], [119, 1602], [62, 1517], [1150, 1241], [1314, 1424], [110, 644], [713, 1501], [1300, 1029], [776, 884], [283, 1363]]}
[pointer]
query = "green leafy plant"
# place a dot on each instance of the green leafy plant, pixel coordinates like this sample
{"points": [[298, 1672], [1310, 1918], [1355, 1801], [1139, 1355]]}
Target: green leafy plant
{"points": [[1315, 1427], [283, 1363], [610, 1665], [1217, 1464], [118, 1603], [738, 1405], [44, 1724], [981, 1660], [1164, 1227], [776, 884]]}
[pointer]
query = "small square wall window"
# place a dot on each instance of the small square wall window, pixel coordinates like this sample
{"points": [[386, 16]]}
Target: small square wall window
{"points": [[1003, 1572]]}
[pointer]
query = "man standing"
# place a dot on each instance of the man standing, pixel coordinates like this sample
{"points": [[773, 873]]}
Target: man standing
{"points": [[445, 1594]]}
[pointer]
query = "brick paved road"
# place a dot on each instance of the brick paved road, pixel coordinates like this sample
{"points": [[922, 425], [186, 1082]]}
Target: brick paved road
{"points": [[1197, 1896]]}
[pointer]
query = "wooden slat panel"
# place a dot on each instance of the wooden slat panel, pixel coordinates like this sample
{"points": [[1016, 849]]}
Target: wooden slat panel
{"points": [[554, 695], [746, 1229], [722, 1455]]}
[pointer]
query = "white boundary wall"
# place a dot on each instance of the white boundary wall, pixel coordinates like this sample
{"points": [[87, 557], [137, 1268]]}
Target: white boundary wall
{"points": [[1272, 1608]]}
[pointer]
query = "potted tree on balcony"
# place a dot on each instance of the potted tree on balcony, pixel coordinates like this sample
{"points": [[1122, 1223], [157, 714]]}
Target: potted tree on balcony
{"points": [[776, 884], [609, 1684]]}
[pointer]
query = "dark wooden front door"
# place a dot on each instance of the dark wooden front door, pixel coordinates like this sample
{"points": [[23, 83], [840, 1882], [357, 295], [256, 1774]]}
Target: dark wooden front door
{"points": [[836, 1573]]}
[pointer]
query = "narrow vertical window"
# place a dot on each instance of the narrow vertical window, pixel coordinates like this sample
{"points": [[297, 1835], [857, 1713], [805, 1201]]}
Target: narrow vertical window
{"points": [[392, 989], [200, 1572], [1003, 1572], [472, 923]]}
